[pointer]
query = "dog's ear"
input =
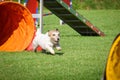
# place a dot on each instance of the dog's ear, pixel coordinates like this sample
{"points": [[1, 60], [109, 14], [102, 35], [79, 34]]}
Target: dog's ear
{"points": [[57, 29]]}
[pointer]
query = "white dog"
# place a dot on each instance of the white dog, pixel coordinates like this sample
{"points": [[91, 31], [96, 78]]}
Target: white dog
{"points": [[47, 41]]}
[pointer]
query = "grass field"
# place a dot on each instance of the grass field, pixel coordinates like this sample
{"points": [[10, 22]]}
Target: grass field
{"points": [[81, 58]]}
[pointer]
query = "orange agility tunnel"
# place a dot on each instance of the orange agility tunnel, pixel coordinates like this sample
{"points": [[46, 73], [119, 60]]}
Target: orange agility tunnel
{"points": [[16, 27]]}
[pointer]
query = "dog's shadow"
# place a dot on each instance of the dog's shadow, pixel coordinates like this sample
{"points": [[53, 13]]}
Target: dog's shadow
{"points": [[48, 53], [57, 53]]}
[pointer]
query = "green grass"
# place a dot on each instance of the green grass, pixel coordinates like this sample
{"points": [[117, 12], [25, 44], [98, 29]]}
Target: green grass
{"points": [[81, 58]]}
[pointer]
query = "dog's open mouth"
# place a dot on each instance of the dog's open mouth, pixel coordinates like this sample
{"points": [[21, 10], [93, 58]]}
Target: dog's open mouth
{"points": [[55, 42]]}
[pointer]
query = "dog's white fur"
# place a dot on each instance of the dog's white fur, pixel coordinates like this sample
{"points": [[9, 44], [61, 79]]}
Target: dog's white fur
{"points": [[47, 41]]}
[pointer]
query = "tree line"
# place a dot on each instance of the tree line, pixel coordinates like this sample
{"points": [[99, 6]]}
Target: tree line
{"points": [[96, 4], [93, 4]]}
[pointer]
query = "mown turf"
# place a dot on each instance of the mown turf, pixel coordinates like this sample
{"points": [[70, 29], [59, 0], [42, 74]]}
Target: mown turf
{"points": [[81, 58]]}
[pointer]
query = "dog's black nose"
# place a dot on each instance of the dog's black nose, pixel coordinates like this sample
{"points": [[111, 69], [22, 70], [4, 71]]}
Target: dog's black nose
{"points": [[58, 39]]}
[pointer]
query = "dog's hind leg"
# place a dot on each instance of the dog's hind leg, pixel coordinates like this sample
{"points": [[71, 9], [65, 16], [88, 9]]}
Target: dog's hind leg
{"points": [[35, 48]]}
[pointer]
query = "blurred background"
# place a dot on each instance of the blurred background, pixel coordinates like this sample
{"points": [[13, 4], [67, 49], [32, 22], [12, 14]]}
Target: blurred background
{"points": [[92, 4]]}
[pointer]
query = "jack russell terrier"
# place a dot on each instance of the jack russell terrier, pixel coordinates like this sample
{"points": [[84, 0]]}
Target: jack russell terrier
{"points": [[47, 41]]}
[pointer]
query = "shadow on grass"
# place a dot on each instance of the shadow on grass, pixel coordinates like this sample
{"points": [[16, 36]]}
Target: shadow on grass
{"points": [[57, 53], [48, 53]]}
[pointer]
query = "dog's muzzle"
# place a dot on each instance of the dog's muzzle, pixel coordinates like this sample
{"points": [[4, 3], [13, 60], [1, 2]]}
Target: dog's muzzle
{"points": [[56, 41]]}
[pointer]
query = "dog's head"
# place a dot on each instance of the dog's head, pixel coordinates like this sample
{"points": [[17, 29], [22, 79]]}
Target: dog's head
{"points": [[54, 36]]}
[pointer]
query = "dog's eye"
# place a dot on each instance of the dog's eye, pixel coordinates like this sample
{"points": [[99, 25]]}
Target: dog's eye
{"points": [[53, 34]]}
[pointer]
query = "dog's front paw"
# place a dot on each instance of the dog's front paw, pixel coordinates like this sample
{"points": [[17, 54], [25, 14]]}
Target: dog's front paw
{"points": [[52, 52], [58, 48]]}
